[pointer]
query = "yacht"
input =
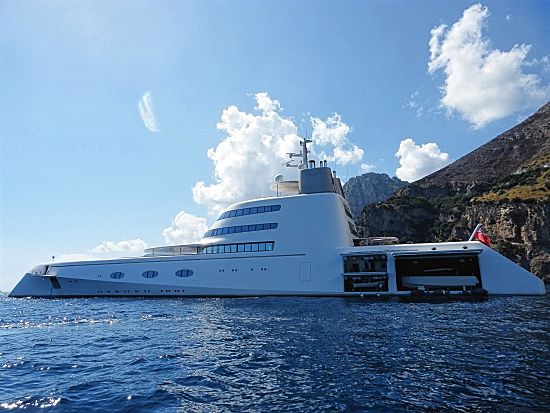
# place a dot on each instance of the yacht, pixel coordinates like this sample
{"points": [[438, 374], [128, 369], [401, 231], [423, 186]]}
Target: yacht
{"points": [[301, 242]]}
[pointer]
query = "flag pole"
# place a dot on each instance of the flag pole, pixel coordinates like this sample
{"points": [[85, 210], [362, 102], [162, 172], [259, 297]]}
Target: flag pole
{"points": [[478, 227]]}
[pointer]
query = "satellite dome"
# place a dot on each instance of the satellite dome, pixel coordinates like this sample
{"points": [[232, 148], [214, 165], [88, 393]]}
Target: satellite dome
{"points": [[278, 178]]}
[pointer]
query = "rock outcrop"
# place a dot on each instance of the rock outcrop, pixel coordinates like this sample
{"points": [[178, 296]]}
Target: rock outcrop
{"points": [[369, 188], [504, 184]]}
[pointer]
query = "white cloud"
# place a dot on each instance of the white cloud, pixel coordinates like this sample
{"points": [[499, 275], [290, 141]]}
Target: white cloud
{"points": [[413, 104], [482, 84], [331, 143], [265, 104], [147, 113], [106, 250], [133, 245], [255, 149], [367, 167], [419, 161], [185, 228], [75, 257]]}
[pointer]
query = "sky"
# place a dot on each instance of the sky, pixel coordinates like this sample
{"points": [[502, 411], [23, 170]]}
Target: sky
{"points": [[128, 124]]}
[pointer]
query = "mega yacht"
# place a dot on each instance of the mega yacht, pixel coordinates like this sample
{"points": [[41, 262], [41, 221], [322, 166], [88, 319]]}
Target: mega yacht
{"points": [[301, 242]]}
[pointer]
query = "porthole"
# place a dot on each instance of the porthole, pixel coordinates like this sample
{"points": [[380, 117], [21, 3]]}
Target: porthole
{"points": [[150, 274], [116, 275], [184, 273]]}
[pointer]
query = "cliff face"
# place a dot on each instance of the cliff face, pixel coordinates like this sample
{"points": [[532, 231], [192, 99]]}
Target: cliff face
{"points": [[368, 188], [504, 184]]}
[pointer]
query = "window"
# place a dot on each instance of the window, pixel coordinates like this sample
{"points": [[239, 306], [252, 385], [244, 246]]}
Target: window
{"points": [[249, 211], [184, 273], [239, 229], [117, 275], [150, 274], [241, 247]]}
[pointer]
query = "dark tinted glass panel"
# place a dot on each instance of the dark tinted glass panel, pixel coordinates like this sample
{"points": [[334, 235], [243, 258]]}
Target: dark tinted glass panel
{"points": [[261, 210], [150, 274], [116, 275], [184, 273]]}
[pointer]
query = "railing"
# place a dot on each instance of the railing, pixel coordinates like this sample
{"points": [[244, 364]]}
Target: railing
{"points": [[172, 250]]}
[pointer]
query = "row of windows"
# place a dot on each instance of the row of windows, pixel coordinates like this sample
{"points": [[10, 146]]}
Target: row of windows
{"points": [[239, 228], [152, 274], [247, 247], [249, 211]]}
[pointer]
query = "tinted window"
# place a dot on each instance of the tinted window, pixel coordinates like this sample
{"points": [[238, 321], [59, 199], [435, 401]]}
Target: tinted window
{"points": [[150, 274], [117, 275], [184, 273]]}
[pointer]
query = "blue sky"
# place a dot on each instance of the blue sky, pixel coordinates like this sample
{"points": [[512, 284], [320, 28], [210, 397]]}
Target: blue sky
{"points": [[83, 173]]}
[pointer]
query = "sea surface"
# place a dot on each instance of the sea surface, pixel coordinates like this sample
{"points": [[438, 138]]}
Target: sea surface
{"points": [[274, 355]]}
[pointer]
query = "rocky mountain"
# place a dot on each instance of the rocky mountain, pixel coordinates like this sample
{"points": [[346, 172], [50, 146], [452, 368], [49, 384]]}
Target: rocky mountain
{"points": [[504, 184], [368, 188]]}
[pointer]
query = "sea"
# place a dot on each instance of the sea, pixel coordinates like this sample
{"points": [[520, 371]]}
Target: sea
{"points": [[274, 354]]}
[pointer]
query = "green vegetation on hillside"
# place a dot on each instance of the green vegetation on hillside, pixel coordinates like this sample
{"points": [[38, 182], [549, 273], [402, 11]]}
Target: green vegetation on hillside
{"points": [[531, 185]]}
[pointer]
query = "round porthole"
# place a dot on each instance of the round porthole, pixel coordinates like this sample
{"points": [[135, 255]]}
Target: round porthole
{"points": [[150, 274], [184, 273], [116, 275]]}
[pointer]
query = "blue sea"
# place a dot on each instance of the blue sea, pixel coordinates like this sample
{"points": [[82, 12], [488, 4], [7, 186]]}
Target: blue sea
{"points": [[274, 355]]}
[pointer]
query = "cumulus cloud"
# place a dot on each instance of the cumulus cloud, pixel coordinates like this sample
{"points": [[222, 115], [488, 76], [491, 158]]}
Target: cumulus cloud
{"points": [[419, 161], [482, 84], [106, 250], [147, 113], [330, 141], [133, 245], [185, 228], [256, 147], [75, 257], [367, 167]]}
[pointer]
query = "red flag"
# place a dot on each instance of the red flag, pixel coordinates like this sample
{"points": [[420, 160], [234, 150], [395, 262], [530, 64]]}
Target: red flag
{"points": [[483, 237]]}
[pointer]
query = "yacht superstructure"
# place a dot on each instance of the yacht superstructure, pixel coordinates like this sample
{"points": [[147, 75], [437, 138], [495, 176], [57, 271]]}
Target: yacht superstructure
{"points": [[303, 244]]}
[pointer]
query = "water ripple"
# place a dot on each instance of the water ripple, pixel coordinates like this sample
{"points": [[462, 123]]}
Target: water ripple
{"points": [[274, 354]]}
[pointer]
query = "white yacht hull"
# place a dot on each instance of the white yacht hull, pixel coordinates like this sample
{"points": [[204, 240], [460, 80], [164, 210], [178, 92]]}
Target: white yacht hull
{"points": [[304, 274]]}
